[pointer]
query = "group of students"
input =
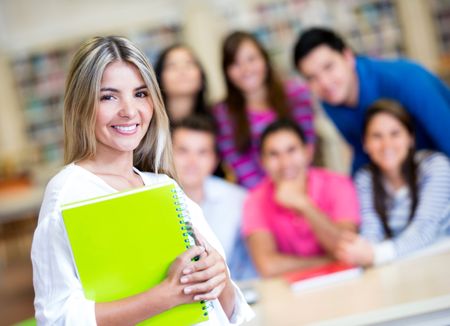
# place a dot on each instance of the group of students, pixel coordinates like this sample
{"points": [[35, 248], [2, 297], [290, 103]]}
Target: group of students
{"points": [[402, 197], [283, 214]]}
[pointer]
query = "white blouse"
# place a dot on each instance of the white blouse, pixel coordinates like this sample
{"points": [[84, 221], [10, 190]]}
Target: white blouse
{"points": [[59, 297]]}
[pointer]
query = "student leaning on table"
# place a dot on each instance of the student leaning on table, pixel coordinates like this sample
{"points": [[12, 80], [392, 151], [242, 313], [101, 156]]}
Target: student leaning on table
{"points": [[404, 194], [294, 218], [116, 138]]}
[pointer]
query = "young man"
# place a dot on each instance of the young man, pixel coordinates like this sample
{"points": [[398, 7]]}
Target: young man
{"points": [[195, 158], [293, 219], [347, 85]]}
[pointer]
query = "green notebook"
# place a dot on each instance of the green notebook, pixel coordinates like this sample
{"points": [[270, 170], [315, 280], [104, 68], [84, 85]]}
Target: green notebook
{"points": [[124, 243]]}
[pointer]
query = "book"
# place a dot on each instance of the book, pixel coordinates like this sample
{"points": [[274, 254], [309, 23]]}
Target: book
{"points": [[319, 276], [124, 243]]}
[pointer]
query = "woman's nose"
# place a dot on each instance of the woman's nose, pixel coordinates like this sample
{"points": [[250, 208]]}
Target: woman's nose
{"points": [[127, 109]]}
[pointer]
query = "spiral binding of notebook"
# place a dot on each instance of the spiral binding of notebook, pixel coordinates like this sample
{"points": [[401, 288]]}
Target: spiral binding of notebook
{"points": [[184, 218], [188, 232]]}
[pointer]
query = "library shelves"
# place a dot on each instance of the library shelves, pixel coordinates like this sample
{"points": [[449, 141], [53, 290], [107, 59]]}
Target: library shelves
{"points": [[370, 26], [440, 10]]}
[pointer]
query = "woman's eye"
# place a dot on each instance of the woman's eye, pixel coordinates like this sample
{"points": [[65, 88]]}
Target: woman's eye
{"points": [[141, 94], [106, 97]]}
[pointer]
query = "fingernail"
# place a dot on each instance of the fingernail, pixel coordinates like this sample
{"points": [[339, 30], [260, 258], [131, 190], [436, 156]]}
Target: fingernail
{"points": [[187, 290], [183, 279], [187, 271], [197, 297]]}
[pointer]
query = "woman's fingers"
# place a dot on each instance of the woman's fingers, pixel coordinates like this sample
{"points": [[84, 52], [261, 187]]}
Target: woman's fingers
{"points": [[208, 286], [201, 264], [205, 278], [213, 294], [183, 260], [190, 254], [204, 273]]}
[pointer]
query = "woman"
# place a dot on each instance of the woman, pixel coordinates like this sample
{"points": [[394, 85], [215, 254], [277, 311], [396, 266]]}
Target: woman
{"points": [[183, 86], [255, 98], [117, 138], [182, 81], [404, 194]]}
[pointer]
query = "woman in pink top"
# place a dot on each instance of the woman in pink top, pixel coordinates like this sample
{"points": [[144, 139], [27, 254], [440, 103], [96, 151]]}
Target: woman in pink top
{"points": [[255, 97]]}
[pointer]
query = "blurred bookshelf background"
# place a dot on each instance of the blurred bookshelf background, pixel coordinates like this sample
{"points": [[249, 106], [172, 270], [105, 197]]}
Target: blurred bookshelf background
{"points": [[37, 40]]}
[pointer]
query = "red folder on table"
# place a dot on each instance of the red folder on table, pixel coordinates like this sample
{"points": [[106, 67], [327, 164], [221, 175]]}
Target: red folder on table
{"points": [[314, 277]]}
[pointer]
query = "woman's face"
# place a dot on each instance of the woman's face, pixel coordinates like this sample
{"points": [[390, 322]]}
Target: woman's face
{"points": [[124, 109], [248, 72], [181, 75], [387, 142]]}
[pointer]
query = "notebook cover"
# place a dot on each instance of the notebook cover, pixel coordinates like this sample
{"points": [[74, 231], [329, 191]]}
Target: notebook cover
{"points": [[124, 243]]}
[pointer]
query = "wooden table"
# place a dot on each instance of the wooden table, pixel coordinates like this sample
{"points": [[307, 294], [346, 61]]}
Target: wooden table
{"points": [[19, 208], [415, 291]]}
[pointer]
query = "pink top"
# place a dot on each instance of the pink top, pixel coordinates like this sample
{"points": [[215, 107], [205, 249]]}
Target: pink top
{"points": [[333, 194], [246, 165]]}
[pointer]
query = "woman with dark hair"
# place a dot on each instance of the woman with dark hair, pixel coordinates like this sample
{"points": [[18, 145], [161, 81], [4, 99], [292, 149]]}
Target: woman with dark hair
{"points": [[182, 81], [255, 97], [404, 193]]}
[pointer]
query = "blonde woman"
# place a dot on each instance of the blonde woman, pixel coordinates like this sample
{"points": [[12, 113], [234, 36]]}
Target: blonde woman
{"points": [[117, 138]]}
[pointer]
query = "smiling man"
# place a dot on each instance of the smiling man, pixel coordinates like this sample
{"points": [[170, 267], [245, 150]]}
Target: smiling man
{"points": [[294, 218], [348, 84]]}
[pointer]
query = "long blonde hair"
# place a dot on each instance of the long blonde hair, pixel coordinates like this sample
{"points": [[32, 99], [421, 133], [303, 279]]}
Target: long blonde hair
{"points": [[154, 153]]}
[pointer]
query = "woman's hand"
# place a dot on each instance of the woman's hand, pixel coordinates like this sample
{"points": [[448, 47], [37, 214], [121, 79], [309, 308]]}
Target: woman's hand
{"points": [[206, 278], [355, 250], [173, 282]]}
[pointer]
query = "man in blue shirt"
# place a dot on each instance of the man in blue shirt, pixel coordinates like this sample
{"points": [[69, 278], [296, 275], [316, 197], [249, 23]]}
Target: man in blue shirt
{"points": [[347, 84]]}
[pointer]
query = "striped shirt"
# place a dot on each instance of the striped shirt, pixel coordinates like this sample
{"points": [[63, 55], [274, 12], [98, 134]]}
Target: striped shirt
{"points": [[246, 165], [431, 214]]}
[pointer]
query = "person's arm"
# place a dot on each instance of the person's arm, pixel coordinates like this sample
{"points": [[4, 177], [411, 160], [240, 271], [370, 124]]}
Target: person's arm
{"points": [[231, 299], [360, 249], [292, 195], [327, 231], [434, 194], [166, 295], [428, 101], [371, 226], [60, 298], [424, 228], [210, 278], [270, 262]]}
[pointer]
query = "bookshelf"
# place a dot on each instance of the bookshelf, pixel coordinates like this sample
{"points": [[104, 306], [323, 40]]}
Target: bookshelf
{"points": [[370, 26], [40, 77], [440, 10]]}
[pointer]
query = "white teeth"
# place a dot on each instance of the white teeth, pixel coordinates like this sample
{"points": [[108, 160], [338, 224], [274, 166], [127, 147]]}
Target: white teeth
{"points": [[125, 128]]}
